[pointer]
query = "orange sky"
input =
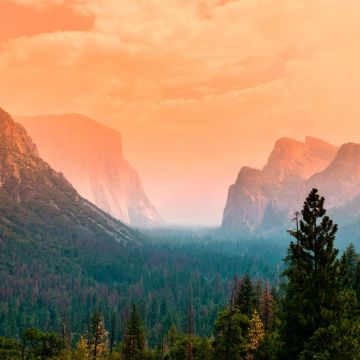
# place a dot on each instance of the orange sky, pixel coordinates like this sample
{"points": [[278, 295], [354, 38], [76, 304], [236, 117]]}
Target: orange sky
{"points": [[193, 85]]}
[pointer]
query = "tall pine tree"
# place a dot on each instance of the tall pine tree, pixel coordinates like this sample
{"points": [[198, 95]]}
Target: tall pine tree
{"points": [[245, 296], [312, 290], [97, 336], [134, 342]]}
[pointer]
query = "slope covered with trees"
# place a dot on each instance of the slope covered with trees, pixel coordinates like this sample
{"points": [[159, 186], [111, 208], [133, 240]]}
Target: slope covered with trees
{"points": [[313, 315]]}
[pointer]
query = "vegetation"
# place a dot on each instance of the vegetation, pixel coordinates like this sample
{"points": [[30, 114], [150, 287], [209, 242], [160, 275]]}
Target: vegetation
{"points": [[313, 315]]}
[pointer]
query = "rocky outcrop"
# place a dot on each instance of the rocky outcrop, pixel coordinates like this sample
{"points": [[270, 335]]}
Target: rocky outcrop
{"points": [[293, 160], [259, 198], [90, 157], [35, 199], [340, 181]]}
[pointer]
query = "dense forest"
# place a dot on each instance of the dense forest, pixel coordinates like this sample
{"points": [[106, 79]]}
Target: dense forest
{"points": [[216, 299]]}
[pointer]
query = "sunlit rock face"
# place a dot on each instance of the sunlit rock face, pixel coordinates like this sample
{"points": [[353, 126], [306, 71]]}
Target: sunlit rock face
{"points": [[90, 157], [339, 183], [34, 198], [264, 199]]}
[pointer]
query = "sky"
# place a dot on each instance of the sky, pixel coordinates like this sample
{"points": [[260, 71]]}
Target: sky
{"points": [[196, 87]]}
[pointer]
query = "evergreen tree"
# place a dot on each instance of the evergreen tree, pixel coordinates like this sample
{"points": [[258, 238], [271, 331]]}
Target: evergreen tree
{"points": [[134, 342], [334, 343], [112, 333], [244, 299], [230, 335], [42, 345], [64, 330], [312, 290], [266, 302], [349, 265], [97, 337]]}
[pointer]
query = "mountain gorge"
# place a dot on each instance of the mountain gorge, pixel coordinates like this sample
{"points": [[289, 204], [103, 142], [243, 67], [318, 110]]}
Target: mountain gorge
{"points": [[62, 257], [90, 156]]}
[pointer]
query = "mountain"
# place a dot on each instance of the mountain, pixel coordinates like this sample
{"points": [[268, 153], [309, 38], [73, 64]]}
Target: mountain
{"points": [[293, 160], [35, 198], [90, 156], [263, 199], [340, 181]]}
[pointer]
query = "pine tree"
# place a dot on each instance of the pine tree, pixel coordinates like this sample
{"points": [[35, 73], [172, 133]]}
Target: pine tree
{"points": [[97, 337], [244, 299], [349, 264], [266, 303], [230, 335], [112, 333], [134, 342], [255, 335], [312, 290], [190, 331], [64, 330]]}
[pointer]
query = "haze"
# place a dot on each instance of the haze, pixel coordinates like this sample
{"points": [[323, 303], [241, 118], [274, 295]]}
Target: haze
{"points": [[195, 87]]}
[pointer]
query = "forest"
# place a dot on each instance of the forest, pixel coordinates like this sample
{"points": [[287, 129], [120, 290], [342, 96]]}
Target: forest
{"points": [[215, 300]]}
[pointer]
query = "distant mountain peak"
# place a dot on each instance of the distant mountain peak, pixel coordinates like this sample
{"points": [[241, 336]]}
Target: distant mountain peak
{"points": [[258, 194], [294, 160], [348, 151], [90, 156]]}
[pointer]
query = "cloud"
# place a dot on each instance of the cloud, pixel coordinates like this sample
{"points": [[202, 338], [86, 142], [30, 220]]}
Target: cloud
{"points": [[240, 70], [40, 3]]}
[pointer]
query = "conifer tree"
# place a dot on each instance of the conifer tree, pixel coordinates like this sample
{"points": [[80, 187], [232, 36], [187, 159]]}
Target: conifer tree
{"points": [[97, 337], [266, 302], [190, 331], [230, 335], [112, 333], [244, 299], [349, 264], [134, 342], [312, 290]]}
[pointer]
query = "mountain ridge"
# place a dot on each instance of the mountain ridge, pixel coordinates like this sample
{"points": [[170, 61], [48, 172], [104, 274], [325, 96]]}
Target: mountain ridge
{"points": [[258, 197], [90, 156], [30, 185]]}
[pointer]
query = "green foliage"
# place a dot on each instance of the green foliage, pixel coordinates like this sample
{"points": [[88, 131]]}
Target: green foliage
{"points": [[245, 296], [9, 349], [178, 349], [54, 281], [312, 290], [39, 345], [97, 336], [134, 342], [334, 343], [230, 337], [52, 271]]}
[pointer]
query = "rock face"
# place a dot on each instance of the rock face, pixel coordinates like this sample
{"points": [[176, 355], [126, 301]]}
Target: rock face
{"points": [[262, 199], [36, 198], [340, 181], [293, 160], [90, 157]]}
